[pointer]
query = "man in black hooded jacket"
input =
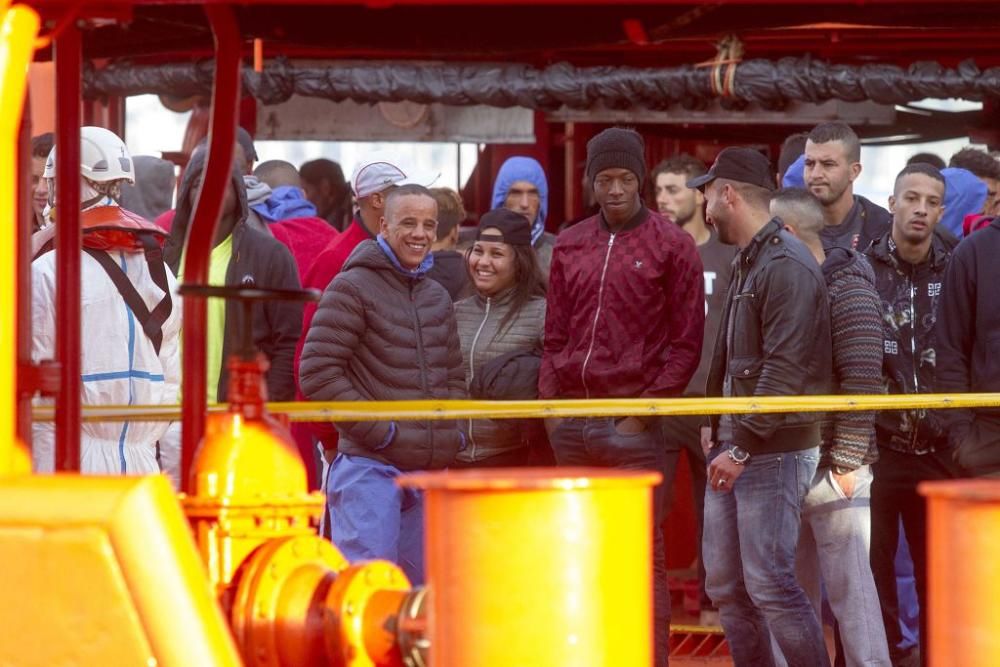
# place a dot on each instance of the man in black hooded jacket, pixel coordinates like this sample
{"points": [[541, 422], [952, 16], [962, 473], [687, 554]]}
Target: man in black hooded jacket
{"points": [[241, 256]]}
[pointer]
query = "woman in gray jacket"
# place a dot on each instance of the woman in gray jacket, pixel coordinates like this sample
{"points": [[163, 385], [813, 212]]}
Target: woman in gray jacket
{"points": [[501, 329]]}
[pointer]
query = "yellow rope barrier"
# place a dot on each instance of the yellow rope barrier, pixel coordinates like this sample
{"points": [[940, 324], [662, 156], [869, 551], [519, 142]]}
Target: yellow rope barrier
{"points": [[615, 407]]}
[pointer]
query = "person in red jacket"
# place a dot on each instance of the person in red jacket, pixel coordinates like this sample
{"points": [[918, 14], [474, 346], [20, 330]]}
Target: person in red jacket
{"points": [[625, 318], [373, 178]]}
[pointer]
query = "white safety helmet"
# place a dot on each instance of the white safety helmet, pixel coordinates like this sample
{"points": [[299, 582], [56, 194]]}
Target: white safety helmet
{"points": [[103, 157]]}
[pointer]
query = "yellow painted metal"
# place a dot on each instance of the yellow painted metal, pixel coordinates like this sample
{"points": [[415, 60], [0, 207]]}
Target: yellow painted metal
{"points": [[103, 571], [610, 407], [538, 567], [17, 36], [963, 571], [248, 486]]}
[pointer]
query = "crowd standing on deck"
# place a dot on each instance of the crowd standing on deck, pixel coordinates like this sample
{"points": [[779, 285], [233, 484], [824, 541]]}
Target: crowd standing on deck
{"points": [[738, 279]]}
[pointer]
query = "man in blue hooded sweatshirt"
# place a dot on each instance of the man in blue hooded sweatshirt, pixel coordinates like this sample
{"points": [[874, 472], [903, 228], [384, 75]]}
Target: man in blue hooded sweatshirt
{"points": [[964, 194], [521, 187], [384, 332]]}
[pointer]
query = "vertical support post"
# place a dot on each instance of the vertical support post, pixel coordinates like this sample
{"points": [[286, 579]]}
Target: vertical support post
{"points": [[17, 36], [570, 181], [22, 263], [68, 243], [222, 139]]}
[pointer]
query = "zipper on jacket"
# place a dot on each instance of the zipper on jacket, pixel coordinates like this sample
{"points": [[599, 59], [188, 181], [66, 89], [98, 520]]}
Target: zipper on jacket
{"points": [[597, 315], [423, 367], [472, 369]]}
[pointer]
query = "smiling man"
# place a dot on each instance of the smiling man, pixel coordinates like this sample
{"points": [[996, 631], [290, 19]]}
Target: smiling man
{"points": [[383, 332], [909, 262], [625, 317], [832, 164]]}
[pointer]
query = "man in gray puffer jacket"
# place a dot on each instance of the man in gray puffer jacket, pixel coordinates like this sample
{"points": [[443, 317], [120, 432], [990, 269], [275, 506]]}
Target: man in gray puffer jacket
{"points": [[384, 332]]}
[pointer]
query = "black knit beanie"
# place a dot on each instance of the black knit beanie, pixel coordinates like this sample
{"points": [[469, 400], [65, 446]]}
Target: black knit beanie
{"points": [[616, 148]]}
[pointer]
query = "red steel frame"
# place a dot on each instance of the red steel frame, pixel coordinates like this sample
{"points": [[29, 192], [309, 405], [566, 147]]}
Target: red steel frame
{"points": [[68, 243], [222, 140]]}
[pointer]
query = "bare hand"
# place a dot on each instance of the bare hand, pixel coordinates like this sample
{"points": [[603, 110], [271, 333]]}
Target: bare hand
{"points": [[706, 439], [722, 473], [630, 426], [846, 482]]}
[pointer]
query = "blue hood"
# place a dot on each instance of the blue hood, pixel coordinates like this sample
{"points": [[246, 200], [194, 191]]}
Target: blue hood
{"points": [[521, 168], [285, 202], [794, 176], [964, 193]]}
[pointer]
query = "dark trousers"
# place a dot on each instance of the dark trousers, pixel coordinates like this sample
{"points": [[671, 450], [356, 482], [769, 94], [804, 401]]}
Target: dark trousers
{"points": [[895, 498], [594, 441], [683, 432]]}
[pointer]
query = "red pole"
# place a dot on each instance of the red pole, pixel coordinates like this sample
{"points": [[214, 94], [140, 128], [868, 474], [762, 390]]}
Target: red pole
{"points": [[222, 138], [68, 243], [26, 219]]}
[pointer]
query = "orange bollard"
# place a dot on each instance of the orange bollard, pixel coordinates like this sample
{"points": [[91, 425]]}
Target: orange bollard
{"points": [[964, 575], [538, 567]]}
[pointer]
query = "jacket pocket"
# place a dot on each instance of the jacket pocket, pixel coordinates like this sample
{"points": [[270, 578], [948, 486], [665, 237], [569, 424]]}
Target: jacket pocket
{"points": [[744, 372]]}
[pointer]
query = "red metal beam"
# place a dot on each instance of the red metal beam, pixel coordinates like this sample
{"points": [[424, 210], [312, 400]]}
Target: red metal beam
{"points": [[222, 139], [26, 217], [68, 243]]}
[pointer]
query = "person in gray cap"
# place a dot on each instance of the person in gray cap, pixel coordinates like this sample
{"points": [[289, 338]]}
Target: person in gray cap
{"points": [[774, 340], [625, 318]]}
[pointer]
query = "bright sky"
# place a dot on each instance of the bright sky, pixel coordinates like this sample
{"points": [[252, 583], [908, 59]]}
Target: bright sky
{"points": [[151, 129]]}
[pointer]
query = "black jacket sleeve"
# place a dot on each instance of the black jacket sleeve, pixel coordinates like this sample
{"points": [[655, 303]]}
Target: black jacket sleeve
{"points": [[955, 329], [284, 326]]}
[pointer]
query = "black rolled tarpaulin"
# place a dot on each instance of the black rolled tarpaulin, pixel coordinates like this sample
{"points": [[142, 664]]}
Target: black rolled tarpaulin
{"points": [[771, 84]]}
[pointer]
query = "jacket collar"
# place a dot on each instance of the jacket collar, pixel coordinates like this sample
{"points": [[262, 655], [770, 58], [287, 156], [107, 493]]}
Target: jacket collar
{"points": [[497, 299], [760, 240], [884, 249], [635, 221]]}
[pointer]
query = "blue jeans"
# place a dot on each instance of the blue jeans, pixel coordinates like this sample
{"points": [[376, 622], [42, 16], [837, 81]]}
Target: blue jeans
{"points": [[595, 442], [750, 537], [371, 518]]}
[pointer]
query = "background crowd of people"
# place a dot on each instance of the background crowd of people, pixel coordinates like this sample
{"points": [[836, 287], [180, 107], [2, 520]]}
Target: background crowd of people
{"points": [[741, 278]]}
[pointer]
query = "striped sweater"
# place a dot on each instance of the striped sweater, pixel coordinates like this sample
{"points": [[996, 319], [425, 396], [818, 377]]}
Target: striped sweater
{"points": [[856, 329]]}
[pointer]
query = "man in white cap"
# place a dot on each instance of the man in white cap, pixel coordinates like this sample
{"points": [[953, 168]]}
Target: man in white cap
{"points": [[373, 178]]}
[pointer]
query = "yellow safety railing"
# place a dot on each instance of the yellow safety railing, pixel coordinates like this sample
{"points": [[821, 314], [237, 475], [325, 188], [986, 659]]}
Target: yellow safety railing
{"points": [[611, 407]]}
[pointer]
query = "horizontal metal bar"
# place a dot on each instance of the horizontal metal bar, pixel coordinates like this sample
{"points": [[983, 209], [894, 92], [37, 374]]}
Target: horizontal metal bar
{"points": [[358, 411]]}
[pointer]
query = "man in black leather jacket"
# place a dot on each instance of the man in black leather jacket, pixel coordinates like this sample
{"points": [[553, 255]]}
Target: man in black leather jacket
{"points": [[774, 340]]}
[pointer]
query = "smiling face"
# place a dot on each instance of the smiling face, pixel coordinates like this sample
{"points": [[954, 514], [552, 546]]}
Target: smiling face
{"points": [[829, 171], [492, 265], [916, 208], [410, 227]]}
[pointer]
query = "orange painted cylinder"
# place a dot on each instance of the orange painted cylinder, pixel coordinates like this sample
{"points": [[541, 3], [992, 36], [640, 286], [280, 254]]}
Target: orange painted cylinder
{"points": [[538, 567], [963, 538]]}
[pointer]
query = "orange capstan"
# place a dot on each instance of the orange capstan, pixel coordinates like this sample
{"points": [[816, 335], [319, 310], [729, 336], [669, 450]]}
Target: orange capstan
{"points": [[114, 228]]}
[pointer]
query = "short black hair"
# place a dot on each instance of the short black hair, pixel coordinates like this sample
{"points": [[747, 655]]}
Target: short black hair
{"points": [[837, 131], [932, 159], [792, 148], [42, 145], [407, 190], [753, 195], [980, 163], [277, 173], [681, 163], [919, 168]]}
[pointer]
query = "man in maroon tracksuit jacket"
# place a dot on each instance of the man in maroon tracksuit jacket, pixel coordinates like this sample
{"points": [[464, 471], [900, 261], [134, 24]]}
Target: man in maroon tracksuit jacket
{"points": [[625, 316]]}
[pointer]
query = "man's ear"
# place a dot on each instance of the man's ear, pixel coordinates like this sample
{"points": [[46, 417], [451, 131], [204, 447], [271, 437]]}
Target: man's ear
{"points": [[453, 235], [855, 171], [383, 226], [892, 204]]}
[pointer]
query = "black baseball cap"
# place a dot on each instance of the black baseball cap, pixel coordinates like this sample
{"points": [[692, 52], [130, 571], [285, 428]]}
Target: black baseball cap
{"points": [[744, 165], [514, 228]]}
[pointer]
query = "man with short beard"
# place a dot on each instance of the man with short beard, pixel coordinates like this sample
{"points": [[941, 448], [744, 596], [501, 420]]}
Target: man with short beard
{"points": [[909, 262], [774, 341], [832, 164], [686, 207]]}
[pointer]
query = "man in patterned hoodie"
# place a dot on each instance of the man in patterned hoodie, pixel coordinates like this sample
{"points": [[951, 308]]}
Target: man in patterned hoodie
{"points": [[835, 536], [625, 318]]}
